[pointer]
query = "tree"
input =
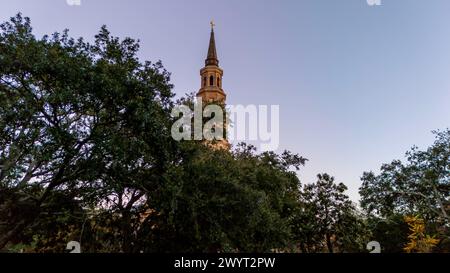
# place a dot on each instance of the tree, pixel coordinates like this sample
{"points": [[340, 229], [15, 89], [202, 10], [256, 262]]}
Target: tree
{"points": [[419, 187], [86, 154], [215, 200], [390, 232], [327, 218], [418, 240], [86, 119]]}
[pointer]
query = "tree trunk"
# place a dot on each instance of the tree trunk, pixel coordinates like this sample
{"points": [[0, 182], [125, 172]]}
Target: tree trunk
{"points": [[329, 244], [6, 238], [303, 248]]}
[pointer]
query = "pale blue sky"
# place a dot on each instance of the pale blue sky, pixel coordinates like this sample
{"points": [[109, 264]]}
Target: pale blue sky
{"points": [[357, 85]]}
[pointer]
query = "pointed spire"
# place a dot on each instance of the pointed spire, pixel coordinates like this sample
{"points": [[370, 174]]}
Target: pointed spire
{"points": [[211, 59]]}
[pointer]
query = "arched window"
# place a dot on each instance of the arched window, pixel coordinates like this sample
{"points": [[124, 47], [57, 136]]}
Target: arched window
{"points": [[204, 81], [211, 81]]}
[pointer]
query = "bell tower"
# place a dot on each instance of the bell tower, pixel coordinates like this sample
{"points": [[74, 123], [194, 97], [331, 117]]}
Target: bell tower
{"points": [[211, 89], [211, 75]]}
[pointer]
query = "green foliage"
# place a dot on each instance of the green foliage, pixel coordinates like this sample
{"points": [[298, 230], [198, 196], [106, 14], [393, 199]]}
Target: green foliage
{"points": [[327, 220], [391, 232], [419, 187], [236, 201], [86, 154], [87, 119]]}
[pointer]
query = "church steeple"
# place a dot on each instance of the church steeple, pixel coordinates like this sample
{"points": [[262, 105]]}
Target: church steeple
{"points": [[211, 59], [211, 89], [211, 75]]}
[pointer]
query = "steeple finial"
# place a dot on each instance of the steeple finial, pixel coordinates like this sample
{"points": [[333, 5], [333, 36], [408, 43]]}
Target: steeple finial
{"points": [[211, 59]]}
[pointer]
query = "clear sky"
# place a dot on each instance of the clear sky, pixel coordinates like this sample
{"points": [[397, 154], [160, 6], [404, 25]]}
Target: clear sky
{"points": [[357, 85]]}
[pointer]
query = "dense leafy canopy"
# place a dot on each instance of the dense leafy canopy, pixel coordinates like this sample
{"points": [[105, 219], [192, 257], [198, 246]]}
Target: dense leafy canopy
{"points": [[86, 154], [421, 187], [327, 219]]}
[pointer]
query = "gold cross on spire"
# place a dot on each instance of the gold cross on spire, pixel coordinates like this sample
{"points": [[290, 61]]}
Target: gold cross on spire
{"points": [[212, 24]]}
